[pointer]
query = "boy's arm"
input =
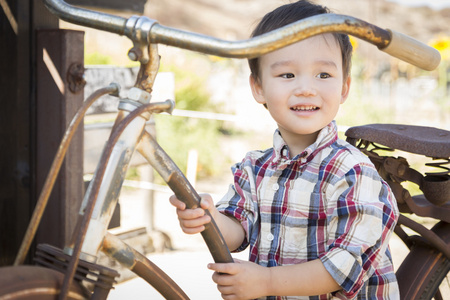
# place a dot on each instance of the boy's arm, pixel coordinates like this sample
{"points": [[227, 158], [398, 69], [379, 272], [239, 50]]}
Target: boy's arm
{"points": [[310, 278], [192, 221], [246, 280]]}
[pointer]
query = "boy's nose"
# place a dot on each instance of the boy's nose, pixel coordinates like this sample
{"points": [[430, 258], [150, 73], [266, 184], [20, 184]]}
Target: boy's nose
{"points": [[304, 88]]}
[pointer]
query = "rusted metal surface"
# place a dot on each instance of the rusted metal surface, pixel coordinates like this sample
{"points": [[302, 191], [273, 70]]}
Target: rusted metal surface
{"points": [[35, 282], [148, 71], [414, 139], [428, 141], [75, 78], [435, 202], [112, 179], [142, 31], [276, 39], [239, 49], [430, 236], [142, 266], [421, 206], [212, 235], [399, 168], [138, 30], [436, 188], [54, 169], [89, 208], [100, 279], [111, 183], [422, 261], [168, 170]]}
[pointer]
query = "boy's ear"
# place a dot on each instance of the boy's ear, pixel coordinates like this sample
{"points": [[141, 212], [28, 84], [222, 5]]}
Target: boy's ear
{"points": [[346, 89], [257, 90]]}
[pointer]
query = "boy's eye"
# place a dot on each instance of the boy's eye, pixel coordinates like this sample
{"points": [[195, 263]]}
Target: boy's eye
{"points": [[323, 75], [287, 75]]}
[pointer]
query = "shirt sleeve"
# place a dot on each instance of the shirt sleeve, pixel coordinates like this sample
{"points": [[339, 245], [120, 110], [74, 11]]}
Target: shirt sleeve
{"points": [[362, 215], [240, 202]]}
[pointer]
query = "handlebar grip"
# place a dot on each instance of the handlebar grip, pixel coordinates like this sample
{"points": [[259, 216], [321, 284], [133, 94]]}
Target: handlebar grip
{"points": [[184, 191], [412, 51], [212, 235]]}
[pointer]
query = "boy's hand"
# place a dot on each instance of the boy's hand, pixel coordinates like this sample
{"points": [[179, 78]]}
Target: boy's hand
{"points": [[241, 279], [192, 221]]}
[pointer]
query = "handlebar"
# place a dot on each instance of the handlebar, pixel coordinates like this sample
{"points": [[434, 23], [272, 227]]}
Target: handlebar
{"points": [[142, 30]]}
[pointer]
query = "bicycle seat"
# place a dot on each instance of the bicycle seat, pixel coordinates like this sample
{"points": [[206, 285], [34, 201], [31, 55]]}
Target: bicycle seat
{"points": [[428, 141]]}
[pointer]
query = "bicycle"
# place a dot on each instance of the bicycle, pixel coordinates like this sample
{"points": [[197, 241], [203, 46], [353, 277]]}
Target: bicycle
{"points": [[72, 272], [427, 263]]}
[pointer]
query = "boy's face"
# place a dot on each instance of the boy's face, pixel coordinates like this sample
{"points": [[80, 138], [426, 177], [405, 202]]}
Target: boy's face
{"points": [[302, 85]]}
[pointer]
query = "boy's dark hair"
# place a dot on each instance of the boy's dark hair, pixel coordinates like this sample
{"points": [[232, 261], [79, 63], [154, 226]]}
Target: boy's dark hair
{"points": [[290, 13]]}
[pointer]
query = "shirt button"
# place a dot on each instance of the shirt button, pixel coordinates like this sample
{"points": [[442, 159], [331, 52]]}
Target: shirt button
{"points": [[270, 237], [275, 187]]}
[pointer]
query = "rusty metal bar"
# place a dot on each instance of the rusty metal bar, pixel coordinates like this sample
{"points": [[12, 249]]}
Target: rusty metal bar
{"points": [[111, 183], [136, 262], [148, 71], [88, 211], [176, 180], [143, 30], [398, 230], [273, 40], [56, 165], [427, 234], [239, 49]]}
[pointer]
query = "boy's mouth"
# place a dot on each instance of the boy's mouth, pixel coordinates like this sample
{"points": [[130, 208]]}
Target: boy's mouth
{"points": [[304, 108]]}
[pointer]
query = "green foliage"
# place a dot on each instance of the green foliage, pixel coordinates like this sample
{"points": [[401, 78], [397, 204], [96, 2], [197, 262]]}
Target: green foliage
{"points": [[362, 113], [97, 59], [132, 173], [178, 135], [362, 109]]}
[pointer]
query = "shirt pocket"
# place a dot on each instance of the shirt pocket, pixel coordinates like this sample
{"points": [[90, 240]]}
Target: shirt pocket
{"points": [[304, 224]]}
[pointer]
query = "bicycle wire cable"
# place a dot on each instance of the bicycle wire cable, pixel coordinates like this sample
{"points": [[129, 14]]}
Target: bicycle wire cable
{"points": [[54, 170], [117, 131]]}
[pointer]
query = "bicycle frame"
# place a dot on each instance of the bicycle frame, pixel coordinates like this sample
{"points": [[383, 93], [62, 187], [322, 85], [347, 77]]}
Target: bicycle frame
{"points": [[143, 31], [428, 260], [102, 194], [129, 134]]}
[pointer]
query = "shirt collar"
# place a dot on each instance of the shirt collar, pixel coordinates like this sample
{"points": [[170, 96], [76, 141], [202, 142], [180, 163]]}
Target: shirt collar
{"points": [[326, 137]]}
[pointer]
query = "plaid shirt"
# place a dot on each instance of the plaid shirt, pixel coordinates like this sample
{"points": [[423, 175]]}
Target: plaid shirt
{"points": [[327, 203]]}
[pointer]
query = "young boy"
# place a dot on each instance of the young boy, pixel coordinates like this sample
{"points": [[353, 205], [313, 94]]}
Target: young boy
{"points": [[313, 210]]}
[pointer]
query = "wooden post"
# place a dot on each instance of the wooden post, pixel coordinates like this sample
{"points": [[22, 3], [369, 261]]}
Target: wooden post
{"points": [[59, 59], [18, 22]]}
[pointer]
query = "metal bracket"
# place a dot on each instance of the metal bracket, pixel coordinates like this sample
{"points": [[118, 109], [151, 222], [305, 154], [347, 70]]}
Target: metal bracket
{"points": [[138, 30]]}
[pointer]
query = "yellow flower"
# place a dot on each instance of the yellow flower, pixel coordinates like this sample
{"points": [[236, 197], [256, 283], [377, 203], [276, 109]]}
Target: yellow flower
{"points": [[442, 44], [354, 42], [214, 58]]}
